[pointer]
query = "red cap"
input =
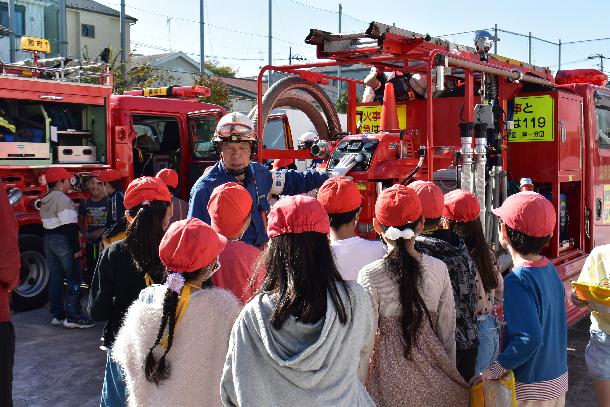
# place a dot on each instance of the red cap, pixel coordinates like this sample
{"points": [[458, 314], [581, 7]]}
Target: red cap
{"points": [[145, 189], [397, 206], [95, 173], [431, 198], [190, 245], [169, 176], [229, 207], [461, 206], [109, 175], [529, 213], [339, 195], [55, 174], [297, 214]]}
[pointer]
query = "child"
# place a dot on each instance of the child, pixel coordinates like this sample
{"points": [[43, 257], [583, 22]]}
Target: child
{"points": [[62, 249], [461, 216], [229, 207], [115, 211], [170, 178], [128, 266], [536, 333], [297, 342], [412, 361], [92, 221], [343, 203], [172, 345], [451, 249], [596, 271]]}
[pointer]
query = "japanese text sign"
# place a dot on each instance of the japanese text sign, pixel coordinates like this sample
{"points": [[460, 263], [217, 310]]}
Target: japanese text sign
{"points": [[533, 119], [371, 118]]}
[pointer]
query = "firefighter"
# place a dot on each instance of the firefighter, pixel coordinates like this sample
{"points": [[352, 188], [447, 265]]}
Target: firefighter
{"points": [[236, 141]]}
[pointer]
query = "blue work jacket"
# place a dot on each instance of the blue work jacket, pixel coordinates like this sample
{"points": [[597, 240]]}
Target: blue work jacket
{"points": [[258, 182]]}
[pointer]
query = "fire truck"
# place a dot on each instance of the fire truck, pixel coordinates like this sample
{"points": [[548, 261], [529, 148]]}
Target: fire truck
{"points": [[464, 118]]}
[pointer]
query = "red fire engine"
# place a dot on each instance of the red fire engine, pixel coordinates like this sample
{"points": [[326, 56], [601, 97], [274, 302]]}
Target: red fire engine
{"points": [[467, 119]]}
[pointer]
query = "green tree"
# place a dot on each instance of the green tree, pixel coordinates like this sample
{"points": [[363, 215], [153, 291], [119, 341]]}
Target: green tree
{"points": [[220, 93], [214, 67], [341, 102]]}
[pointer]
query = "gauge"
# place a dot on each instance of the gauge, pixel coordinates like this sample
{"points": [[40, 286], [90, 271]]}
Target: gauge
{"points": [[354, 145], [342, 145], [369, 145]]}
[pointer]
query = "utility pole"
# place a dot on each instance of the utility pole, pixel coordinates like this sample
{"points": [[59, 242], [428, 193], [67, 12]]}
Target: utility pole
{"points": [[529, 39], [63, 30], [201, 38], [496, 39], [559, 55], [11, 27], [339, 67], [601, 60], [289, 55], [123, 38], [270, 44], [169, 32]]}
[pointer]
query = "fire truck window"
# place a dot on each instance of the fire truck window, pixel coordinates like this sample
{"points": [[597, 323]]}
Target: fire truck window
{"points": [[274, 135], [157, 143], [603, 127], [202, 133]]}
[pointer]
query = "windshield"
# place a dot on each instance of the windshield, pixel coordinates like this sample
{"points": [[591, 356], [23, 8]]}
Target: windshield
{"points": [[602, 113], [202, 132], [274, 134]]}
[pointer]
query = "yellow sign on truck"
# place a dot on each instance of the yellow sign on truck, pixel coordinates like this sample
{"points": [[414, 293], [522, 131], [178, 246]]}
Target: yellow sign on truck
{"points": [[533, 119]]}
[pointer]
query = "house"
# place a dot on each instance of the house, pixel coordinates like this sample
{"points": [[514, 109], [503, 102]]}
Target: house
{"points": [[91, 27], [33, 18], [178, 67], [243, 92]]}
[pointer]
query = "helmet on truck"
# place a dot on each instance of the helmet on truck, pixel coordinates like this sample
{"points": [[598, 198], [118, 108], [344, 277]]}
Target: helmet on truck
{"points": [[234, 127]]}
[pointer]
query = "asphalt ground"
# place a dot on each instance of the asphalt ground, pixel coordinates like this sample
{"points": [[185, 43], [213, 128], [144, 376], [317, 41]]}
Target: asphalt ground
{"points": [[55, 366]]}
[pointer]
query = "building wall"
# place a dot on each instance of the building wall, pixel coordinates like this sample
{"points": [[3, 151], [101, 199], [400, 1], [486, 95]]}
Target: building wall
{"points": [[179, 72], [34, 27], [107, 33]]}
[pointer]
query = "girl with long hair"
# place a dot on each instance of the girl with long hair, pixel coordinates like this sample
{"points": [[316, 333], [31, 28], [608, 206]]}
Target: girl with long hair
{"points": [[461, 215], [412, 356], [296, 342], [126, 267], [174, 339]]}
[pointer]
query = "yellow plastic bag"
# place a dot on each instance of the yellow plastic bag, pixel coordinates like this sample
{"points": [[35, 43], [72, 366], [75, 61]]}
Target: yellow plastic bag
{"points": [[495, 393]]}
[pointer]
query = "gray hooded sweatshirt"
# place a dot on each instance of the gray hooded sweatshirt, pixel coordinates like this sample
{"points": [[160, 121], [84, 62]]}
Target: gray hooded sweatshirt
{"points": [[302, 364]]}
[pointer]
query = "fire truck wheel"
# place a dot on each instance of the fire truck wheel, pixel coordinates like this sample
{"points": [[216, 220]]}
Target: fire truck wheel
{"points": [[32, 290]]}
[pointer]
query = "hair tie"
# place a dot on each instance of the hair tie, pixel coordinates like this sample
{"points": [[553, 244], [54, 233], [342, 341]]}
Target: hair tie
{"points": [[145, 203], [175, 282], [394, 233]]}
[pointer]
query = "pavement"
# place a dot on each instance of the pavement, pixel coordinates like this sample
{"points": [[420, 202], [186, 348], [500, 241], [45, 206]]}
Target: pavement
{"points": [[55, 366]]}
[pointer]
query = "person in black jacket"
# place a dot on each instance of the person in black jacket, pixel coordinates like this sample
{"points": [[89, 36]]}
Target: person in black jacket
{"points": [[115, 210], [126, 267]]}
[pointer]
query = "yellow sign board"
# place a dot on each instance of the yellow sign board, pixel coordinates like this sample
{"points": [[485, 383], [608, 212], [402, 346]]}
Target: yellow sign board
{"points": [[35, 44], [371, 117], [155, 91], [533, 119]]}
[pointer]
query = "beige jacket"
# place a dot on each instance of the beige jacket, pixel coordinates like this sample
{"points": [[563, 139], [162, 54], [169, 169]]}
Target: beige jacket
{"points": [[197, 355]]}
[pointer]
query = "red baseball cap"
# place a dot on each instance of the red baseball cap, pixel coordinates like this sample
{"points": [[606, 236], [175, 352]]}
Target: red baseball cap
{"points": [[109, 175], [297, 214], [339, 195], [169, 176], [55, 174], [529, 213], [229, 206], [95, 173], [431, 198], [145, 189], [461, 206], [397, 206], [190, 245]]}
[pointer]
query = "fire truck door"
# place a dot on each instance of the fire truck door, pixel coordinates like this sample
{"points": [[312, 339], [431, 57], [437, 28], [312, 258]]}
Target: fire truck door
{"points": [[202, 152], [600, 154]]}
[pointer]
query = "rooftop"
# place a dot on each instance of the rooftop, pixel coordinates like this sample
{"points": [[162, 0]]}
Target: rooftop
{"points": [[95, 7]]}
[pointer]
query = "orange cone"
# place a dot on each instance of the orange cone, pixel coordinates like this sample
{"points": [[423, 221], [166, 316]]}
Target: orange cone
{"points": [[389, 114]]}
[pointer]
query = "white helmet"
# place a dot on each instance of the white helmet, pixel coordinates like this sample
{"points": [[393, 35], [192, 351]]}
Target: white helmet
{"points": [[307, 139], [234, 127]]}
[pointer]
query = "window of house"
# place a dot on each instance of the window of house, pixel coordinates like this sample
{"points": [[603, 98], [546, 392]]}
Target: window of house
{"points": [[88, 30], [19, 18]]}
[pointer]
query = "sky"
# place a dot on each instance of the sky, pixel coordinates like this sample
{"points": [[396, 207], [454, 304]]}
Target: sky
{"points": [[236, 30]]}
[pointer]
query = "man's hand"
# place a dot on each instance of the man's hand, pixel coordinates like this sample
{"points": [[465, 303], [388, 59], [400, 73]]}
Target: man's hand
{"points": [[484, 375], [93, 236], [577, 301], [342, 168]]}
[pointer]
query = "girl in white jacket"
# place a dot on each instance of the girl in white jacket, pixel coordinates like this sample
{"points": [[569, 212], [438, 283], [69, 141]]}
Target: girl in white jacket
{"points": [[182, 316]]}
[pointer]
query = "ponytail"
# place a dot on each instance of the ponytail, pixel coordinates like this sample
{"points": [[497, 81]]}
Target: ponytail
{"points": [[144, 235], [408, 273]]}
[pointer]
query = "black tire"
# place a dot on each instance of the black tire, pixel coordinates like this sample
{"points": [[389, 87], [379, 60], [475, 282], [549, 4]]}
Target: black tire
{"points": [[32, 290]]}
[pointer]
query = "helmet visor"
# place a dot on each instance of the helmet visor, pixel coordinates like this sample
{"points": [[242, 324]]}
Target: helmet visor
{"points": [[235, 129]]}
